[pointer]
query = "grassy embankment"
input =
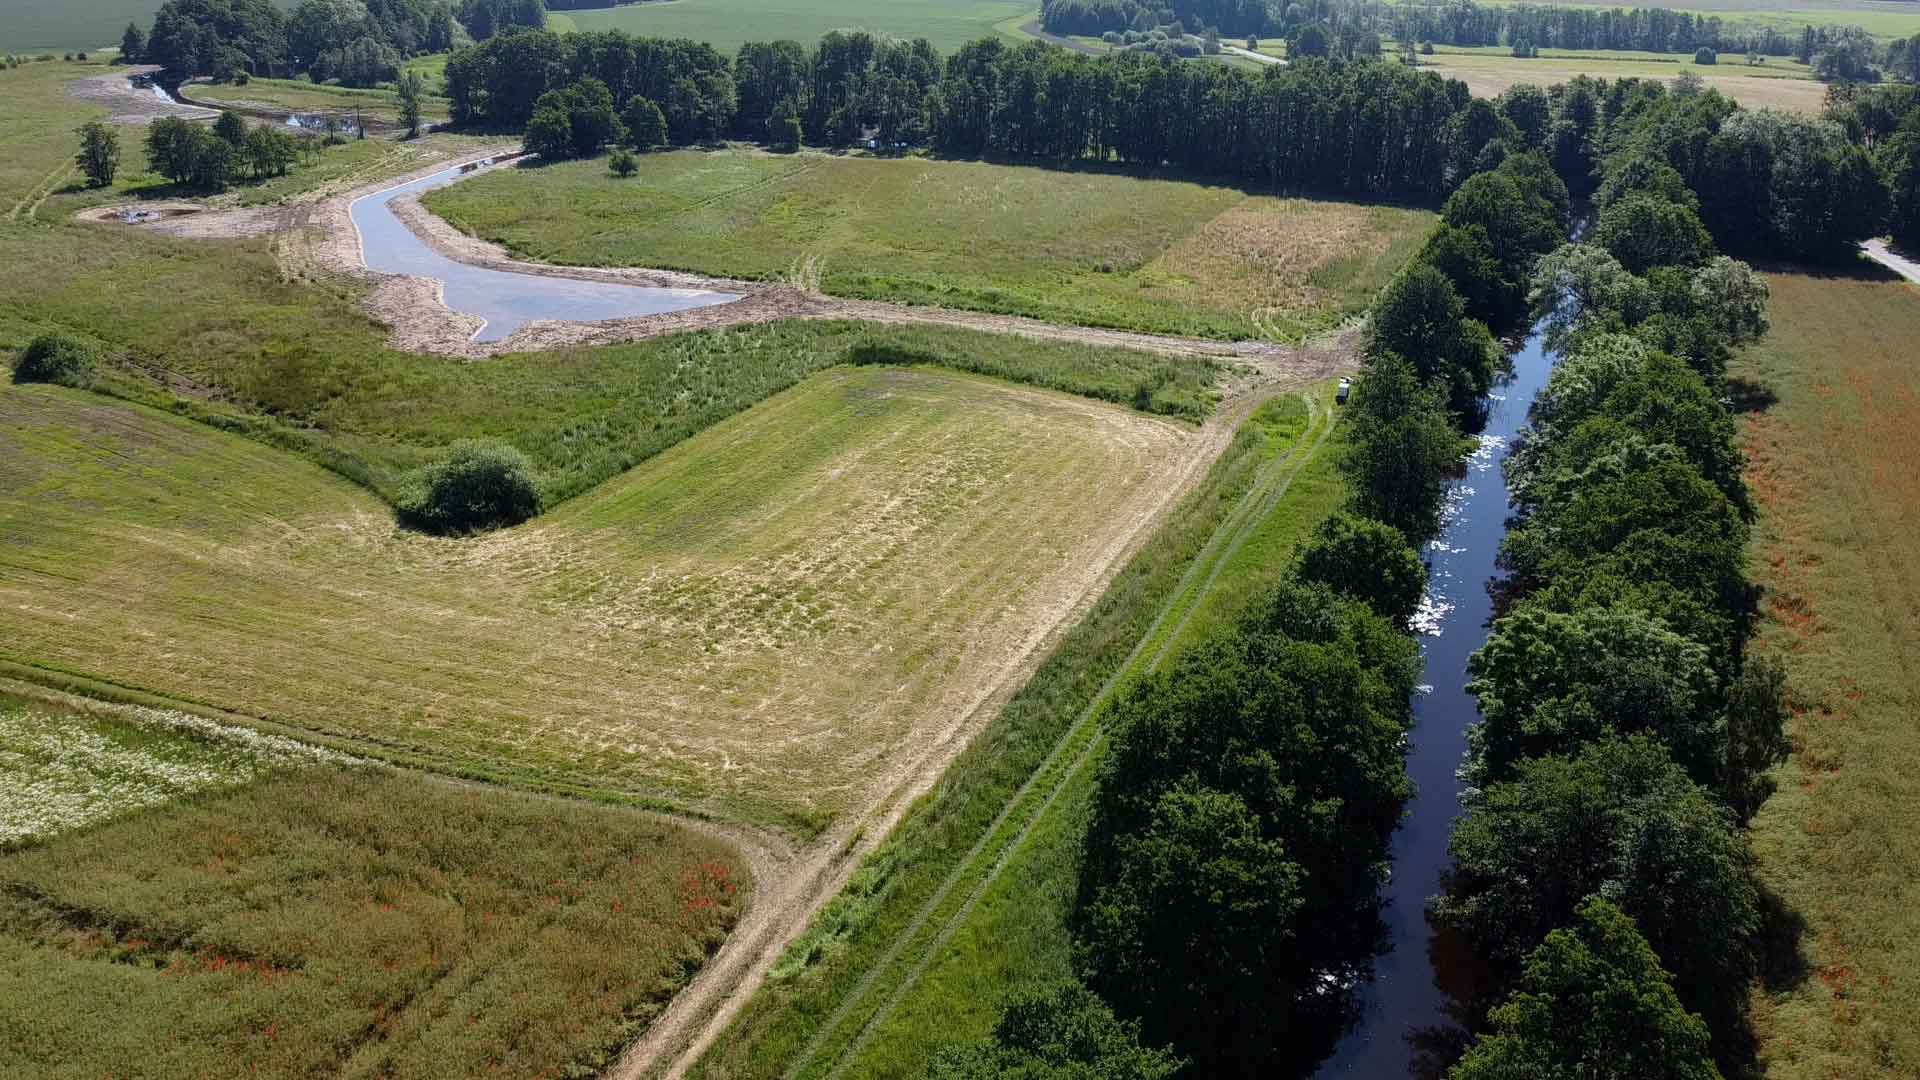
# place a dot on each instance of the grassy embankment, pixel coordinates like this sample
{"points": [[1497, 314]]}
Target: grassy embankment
{"points": [[969, 900], [1835, 464], [727, 24], [301, 96], [1095, 248], [279, 917]]}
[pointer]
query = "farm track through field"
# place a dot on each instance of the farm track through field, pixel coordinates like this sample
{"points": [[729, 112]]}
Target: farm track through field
{"points": [[1082, 739], [30, 203]]}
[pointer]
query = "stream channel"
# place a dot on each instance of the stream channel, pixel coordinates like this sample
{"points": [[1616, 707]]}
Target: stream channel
{"points": [[504, 299], [1405, 998]]}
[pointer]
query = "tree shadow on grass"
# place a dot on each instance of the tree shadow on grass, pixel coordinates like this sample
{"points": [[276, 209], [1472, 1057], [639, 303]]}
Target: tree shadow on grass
{"points": [[1746, 395], [1860, 268], [1782, 960]]}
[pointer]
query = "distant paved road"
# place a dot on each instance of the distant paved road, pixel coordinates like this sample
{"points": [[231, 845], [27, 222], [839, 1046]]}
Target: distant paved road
{"points": [[1907, 268], [1249, 54]]}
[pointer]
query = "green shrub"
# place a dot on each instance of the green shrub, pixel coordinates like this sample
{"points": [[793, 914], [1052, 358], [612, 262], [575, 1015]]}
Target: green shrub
{"points": [[57, 358], [479, 484]]}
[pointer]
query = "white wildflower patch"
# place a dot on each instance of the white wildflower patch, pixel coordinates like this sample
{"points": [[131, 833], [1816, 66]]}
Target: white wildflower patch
{"points": [[59, 771]]}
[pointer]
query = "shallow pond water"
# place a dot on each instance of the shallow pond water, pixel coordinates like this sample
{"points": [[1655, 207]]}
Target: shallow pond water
{"points": [[504, 299]]}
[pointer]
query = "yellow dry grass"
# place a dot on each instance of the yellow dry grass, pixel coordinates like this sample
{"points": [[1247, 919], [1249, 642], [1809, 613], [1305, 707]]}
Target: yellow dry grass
{"points": [[753, 624]]}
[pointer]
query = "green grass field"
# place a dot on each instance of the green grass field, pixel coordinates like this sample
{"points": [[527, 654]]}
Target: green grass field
{"points": [[727, 24], [340, 921], [970, 899], [298, 95], [1835, 464], [36, 25], [1103, 249]]}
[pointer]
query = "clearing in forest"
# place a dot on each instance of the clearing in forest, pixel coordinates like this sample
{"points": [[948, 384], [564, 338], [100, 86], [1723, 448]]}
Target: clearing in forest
{"points": [[1089, 247], [1835, 467], [754, 623]]}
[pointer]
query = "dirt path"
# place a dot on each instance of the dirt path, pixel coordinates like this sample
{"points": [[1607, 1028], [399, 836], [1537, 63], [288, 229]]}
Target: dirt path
{"points": [[130, 104], [1879, 252]]}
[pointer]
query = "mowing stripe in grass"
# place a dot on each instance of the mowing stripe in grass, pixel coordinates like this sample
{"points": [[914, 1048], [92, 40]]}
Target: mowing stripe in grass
{"points": [[1082, 736]]}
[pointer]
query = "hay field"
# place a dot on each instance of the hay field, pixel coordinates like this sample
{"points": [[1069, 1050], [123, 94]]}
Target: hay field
{"points": [[751, 624], [1779, 83], [1087, 247], [1835, 464]]}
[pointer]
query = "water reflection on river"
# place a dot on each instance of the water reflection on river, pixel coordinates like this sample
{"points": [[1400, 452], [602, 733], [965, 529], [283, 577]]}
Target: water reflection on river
{"points": [[1403, 1005]]}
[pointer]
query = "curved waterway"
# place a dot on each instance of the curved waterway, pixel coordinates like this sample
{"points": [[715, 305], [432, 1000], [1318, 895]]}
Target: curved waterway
{"points": [[1405, 999], [504, 299]]}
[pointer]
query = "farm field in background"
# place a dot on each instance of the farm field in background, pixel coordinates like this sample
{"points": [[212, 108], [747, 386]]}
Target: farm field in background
{"points": [[340, 920], [1091, 247], [969, 901], [1835, 464], [1882, 18], [704, 631], [1779, 83], [727, 24]]}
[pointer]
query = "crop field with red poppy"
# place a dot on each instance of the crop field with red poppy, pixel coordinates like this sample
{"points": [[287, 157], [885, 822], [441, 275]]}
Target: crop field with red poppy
{"points": [[352, 921], [1835, 466]]}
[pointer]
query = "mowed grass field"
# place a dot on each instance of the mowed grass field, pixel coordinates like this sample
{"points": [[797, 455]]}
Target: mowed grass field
{"points": [[727, 24], [1096, 248], [1779, 83], [1835, 463], [970, 900], [749, 624], [332, 919]]}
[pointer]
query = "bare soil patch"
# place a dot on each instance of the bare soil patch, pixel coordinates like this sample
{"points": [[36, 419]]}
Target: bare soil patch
{"points": [[132, 104]]}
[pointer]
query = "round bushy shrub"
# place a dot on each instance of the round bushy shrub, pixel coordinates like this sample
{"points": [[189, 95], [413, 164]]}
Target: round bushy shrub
{"points": [[478, 484], [56, 358]]}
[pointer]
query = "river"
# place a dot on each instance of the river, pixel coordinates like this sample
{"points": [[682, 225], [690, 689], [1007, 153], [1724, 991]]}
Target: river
{"points": [[505, 300], [1403, 998]]}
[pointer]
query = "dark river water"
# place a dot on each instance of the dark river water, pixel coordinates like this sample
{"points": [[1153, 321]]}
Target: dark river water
{"points": [[506, 300], [1403, 997]]}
